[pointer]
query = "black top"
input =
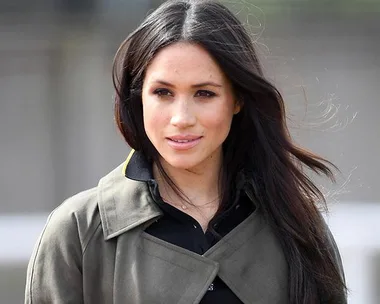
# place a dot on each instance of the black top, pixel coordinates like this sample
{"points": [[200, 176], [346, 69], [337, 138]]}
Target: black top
{"points": [[180, 229]]}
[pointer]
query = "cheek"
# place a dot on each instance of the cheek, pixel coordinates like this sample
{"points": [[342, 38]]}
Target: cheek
{"points": [[154, 119], [219, 119], [222, 126]]}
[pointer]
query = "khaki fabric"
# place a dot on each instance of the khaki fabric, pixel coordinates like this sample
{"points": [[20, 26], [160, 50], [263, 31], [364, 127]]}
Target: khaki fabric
{"points": [[94, 250]]}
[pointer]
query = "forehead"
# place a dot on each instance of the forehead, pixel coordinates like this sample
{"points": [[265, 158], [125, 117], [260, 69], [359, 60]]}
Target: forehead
{"points": [[184, 61]]}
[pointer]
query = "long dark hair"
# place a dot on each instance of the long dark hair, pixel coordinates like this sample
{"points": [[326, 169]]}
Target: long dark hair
{"points": [[258, 142]]}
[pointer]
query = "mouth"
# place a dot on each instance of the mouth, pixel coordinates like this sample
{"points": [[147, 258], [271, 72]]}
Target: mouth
{"points": [[183, 142]]}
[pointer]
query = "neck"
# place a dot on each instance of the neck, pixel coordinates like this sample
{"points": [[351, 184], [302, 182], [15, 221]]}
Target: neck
{"points": [[200, 185]]}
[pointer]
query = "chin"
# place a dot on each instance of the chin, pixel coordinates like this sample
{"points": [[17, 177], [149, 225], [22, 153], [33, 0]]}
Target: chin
{"points": [[181, 165], [181, 162]]}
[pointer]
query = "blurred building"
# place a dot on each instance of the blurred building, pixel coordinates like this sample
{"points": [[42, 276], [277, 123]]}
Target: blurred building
{"points": [[57, 134]]}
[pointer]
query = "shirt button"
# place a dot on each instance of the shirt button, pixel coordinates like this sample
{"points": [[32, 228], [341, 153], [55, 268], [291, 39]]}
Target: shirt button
{"points": [[195, 226]]}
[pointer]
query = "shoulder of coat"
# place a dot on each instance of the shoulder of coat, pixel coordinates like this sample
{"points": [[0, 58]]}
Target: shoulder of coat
{"points": [[78, 214]]}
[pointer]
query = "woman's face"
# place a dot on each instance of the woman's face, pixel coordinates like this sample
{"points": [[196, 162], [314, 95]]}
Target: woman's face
{"points": [[188, 105]]}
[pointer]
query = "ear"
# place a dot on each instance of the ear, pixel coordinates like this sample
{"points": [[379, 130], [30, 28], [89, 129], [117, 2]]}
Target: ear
{"points": [[238, 106]]}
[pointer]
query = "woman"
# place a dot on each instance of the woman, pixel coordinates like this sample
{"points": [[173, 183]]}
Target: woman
{"points": [[212, 205]]}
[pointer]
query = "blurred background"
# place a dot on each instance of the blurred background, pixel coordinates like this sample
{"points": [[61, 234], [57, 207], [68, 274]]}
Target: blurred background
{"points": [[57, 134]]}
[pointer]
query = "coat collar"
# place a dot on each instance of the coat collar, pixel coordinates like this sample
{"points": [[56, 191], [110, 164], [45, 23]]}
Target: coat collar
{"points": [[125, 203], [125, 196]]}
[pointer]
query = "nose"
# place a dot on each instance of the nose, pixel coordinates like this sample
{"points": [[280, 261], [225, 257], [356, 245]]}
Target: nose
{"points": [[182, 115]]}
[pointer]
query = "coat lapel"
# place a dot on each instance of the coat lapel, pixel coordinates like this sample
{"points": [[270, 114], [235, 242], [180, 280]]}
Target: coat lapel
{"points": [[251, 262], [186, 274], [150, 270]]}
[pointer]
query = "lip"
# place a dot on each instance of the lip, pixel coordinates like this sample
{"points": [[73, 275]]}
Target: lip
{"points": [[191, 141]]}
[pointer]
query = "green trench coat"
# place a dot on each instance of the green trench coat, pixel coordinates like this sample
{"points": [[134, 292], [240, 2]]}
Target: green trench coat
{"points": [[94, 250]]}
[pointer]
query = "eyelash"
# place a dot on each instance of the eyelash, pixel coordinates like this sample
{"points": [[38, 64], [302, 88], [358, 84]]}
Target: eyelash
{"points": [[164, 93]]}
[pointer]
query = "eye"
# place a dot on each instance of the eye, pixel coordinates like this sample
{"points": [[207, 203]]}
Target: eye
{"points": [[162, 92], [205, 93]]}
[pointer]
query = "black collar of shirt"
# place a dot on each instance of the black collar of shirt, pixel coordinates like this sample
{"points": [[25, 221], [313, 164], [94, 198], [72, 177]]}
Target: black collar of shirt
{"points": [[138, 168]]}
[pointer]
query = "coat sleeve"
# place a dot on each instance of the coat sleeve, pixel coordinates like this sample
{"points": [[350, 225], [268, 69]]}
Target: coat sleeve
{"points": [[54, 273]]}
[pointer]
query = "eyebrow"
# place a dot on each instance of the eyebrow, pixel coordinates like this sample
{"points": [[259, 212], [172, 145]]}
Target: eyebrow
{"points": [[198, 85]]}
